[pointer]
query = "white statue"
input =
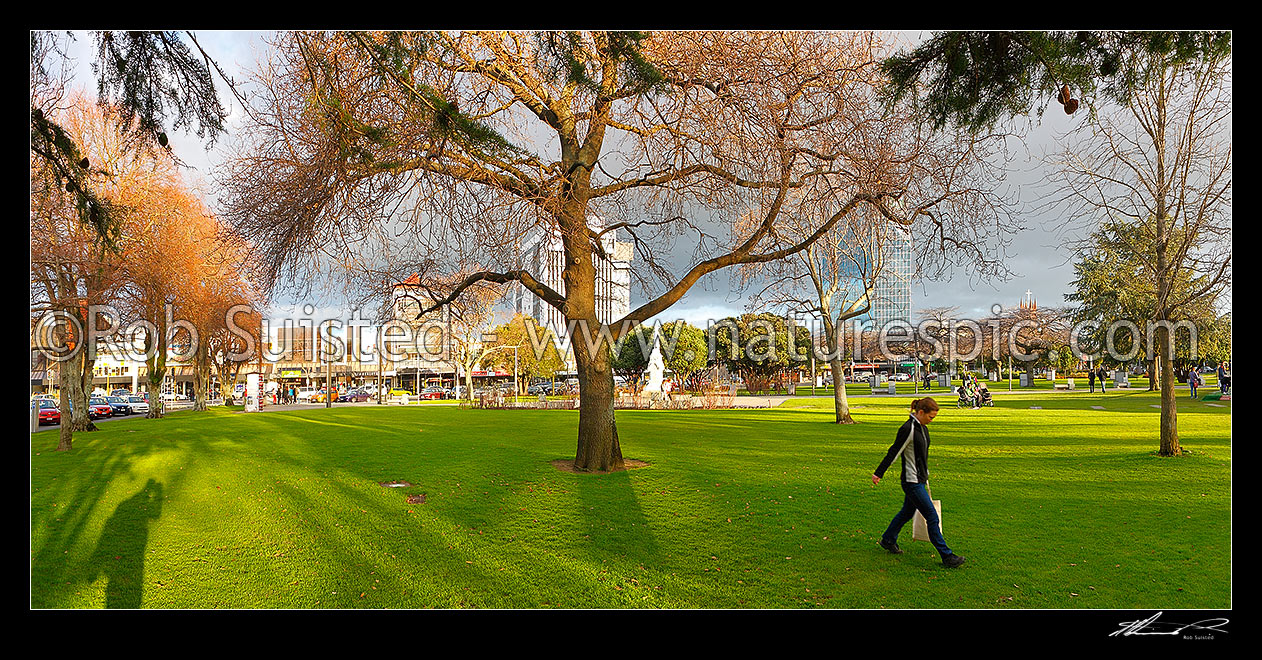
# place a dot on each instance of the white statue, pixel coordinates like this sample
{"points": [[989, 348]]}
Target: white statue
{"points": [[656, 368]]}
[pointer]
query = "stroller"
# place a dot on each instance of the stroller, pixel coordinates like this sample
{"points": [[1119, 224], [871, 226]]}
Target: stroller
{"points": [[974, 396]]}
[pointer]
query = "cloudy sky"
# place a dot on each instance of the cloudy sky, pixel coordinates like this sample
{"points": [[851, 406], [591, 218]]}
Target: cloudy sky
{"points": [[1039, 263]]}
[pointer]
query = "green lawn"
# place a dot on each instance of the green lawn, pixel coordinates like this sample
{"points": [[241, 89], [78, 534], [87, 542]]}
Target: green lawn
{"points": [[1059, 507]]}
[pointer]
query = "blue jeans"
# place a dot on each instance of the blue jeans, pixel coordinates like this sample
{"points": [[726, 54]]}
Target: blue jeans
{"points": [[916, 498]]}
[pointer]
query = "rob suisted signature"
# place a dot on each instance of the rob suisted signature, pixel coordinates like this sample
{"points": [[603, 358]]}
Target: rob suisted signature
{"points": [[1151, 626]]}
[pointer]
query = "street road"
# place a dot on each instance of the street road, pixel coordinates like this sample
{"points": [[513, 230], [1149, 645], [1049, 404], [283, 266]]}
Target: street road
{"points": [[185, 405]]}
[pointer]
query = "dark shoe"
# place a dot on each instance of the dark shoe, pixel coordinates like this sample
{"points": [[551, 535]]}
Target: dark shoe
{"points": [[892, 546], [952, 561]]}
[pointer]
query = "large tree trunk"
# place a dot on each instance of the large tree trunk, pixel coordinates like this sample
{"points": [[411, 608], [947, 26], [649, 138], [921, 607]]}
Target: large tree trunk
{"points": [[225, 390], [598, 447], [82, 390], [66, 441], [201, 378], [80, 385], [841, 405], [154, 388], [1169, 407], [227, 379], [156, 368]]}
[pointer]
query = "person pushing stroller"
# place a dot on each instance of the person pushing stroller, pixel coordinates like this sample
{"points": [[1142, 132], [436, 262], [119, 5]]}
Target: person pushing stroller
{"points": [[970, 395]]}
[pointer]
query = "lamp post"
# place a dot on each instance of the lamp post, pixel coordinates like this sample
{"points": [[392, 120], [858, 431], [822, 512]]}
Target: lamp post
{"points": [[380, 368], [328, 382]]}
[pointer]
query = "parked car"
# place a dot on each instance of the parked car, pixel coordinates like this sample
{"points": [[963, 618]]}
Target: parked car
{"points": [[319, 396], [48, 412], [433, 393], [138, 403], [120, 392], [901, 377], [118, 405], [98, 408], [356, 395], [305, 394]]}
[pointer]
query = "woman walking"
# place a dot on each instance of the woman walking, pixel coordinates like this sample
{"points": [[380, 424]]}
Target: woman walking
{"points": [[912, 444]]}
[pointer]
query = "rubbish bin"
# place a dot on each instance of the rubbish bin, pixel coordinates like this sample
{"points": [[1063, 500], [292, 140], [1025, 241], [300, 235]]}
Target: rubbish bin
{"points": [[1025, 379], [944, 380], [34, 418], [892, 388]]}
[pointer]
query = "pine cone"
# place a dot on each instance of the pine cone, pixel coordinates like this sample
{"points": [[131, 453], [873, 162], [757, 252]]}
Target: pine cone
{"points": [[1070, 106]]}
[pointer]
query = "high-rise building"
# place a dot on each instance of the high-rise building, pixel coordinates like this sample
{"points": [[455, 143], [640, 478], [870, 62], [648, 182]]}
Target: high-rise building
{"points": [[891, 300], [544, 257]]}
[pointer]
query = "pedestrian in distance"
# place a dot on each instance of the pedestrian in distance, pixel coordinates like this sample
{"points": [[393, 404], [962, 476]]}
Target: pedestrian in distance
{"points": [[911, 444], [1091, 380], [1100, 373], [1194, 379]]}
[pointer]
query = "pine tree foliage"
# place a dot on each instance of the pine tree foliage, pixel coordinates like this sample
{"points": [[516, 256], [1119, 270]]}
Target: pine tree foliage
{"points": [[976, 80], [149, 79]]}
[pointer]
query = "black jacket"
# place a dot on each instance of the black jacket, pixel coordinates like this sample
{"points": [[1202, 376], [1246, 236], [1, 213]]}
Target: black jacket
{"points": [[920, 448]]}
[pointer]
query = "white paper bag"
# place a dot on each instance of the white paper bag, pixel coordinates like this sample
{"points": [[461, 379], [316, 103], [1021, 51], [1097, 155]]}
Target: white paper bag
{"points": [[920, 526]]}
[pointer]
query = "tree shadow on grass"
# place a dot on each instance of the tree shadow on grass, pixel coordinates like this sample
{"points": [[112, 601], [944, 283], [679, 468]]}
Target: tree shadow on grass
{"points": [[615, 517], [120, 552]]}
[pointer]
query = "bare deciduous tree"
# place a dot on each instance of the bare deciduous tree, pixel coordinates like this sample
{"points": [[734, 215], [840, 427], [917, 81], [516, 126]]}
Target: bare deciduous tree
{"points": [[1162, 165], [457, 147]]}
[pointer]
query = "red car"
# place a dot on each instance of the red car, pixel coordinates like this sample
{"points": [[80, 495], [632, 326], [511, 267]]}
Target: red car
{"points": [[48, 413], [432, 393], [98, 408]]}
